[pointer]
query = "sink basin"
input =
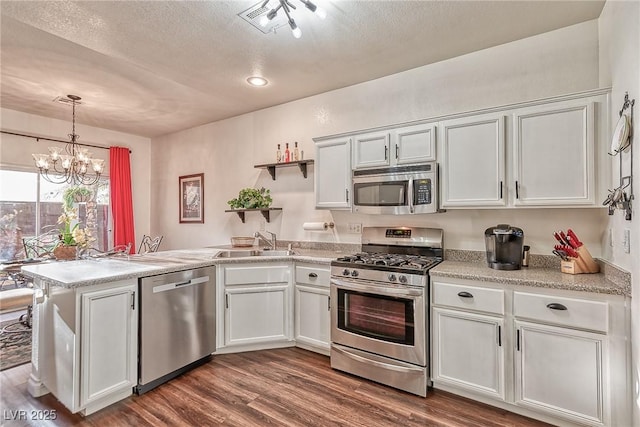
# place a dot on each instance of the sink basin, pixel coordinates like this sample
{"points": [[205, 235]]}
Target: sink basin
{"points": [[243, 254]]}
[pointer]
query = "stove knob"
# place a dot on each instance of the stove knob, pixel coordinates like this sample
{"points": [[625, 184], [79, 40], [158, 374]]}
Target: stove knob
{"points": [[402, 279], [354, 273], [345, 272], [392, 277]]}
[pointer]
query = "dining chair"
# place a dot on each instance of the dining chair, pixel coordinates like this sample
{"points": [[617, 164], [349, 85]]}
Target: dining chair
{"points": [[149, 244], [41, 246]]}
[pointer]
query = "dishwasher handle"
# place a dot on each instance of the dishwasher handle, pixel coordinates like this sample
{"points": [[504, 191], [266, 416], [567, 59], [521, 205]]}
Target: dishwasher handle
{"points": [[175, 285]]}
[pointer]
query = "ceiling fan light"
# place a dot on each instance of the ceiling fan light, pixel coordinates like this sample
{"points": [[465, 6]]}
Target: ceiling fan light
{"points": [[321, 13], [295, 30]]}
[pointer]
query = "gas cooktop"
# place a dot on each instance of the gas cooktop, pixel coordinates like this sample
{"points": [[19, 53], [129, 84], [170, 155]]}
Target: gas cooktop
{"points": [[412, 264]]}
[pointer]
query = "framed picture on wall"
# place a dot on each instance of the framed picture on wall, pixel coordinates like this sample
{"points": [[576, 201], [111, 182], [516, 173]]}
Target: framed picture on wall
{"points": [[191, 198]]}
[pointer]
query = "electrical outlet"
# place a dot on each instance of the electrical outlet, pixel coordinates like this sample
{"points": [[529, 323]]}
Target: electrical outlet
{"points": [[355, 228], [626, 241]]}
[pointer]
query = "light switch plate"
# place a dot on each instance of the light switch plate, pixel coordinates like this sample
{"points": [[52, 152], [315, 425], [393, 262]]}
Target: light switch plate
{"points": [[626, 241]]}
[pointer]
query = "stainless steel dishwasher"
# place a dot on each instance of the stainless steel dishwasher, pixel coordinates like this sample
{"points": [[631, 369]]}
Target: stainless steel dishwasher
{"points": [[177, 324]]}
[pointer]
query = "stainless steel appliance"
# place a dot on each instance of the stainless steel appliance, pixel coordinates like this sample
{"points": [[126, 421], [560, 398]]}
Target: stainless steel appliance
{"points": [[504, 245], [380, 306], [397, 190], [177, 324]]}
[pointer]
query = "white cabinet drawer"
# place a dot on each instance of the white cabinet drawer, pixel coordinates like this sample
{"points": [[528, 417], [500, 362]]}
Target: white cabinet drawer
{"points": [[312, 275], [576, 313], [469, 297], [248, 274]]}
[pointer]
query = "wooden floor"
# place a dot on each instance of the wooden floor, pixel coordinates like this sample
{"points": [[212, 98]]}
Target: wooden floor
{"points": [[286, 387]]}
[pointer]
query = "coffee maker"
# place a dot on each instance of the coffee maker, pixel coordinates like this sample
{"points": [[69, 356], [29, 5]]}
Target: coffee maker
{"points": [[504, 247]]}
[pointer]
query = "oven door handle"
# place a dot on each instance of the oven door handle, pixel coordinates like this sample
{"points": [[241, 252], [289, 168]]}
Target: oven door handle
{"points": [[375, 289], [361, 359]]}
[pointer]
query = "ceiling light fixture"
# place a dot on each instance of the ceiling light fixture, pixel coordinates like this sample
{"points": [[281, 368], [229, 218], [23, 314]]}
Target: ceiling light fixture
{"points": [[72, 167], [287, 6], [257, 81]]}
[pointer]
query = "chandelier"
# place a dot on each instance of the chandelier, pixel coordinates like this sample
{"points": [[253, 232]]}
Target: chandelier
{"points": [[287, 6], [71, 164]]}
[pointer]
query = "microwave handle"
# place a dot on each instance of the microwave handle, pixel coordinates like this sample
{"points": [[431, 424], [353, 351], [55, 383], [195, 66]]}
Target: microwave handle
{"points": [[410, 195]]}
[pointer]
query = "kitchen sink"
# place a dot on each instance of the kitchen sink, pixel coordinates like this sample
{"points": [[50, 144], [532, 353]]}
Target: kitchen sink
{"points": [[243, 254]]}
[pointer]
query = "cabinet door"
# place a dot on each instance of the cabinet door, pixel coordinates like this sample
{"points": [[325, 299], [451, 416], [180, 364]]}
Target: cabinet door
{"points": [[554, 154], [333, 174], [473, 162], [459, 334], [371, 150], [413, 144], [559, 371], [109, 343], [312, 319], [257, 314]]}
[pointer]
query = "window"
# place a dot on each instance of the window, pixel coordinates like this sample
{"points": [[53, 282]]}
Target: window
{"points": [[30, 206]]}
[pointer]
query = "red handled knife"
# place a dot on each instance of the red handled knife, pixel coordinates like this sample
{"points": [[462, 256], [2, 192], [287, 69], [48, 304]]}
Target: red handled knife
{"points": [[574, 239]]}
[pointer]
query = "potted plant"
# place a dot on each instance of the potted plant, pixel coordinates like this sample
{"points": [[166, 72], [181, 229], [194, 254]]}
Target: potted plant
{"points": [[250, 198]]}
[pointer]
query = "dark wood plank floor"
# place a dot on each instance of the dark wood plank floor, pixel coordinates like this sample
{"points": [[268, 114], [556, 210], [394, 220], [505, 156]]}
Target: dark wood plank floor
{"points": [[286, 387]]}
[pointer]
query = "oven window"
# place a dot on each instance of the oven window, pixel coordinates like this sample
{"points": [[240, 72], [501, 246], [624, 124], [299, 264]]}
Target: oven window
{"points": [[381, 193], [376, 316]]}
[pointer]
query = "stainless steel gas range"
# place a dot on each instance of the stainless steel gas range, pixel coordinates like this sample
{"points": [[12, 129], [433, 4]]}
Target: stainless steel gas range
{"points": [[380, 306]]}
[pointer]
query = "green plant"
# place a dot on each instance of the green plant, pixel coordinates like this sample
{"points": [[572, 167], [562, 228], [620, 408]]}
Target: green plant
{"points": [[75, 194], [250, 198]]}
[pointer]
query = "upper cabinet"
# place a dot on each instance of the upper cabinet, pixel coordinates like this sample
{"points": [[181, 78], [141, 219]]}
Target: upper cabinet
{"points": [[553, 154], [472, 161], [541, 155], [399, 146], [333, 174]]}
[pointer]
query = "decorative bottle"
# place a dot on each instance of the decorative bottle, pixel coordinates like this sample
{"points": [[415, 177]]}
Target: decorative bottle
{"points": [[296, 153], [287, 153], [278, 155]]}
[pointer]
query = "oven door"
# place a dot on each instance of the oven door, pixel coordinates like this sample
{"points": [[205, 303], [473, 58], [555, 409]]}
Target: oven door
{"points": [[385, 320]]}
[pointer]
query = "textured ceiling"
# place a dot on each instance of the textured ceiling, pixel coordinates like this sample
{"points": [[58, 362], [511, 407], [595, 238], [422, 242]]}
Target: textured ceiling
{"points": [[156, 67]]}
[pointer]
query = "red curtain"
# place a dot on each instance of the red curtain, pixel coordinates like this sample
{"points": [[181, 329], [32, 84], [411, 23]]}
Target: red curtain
{"points": [[121, 198]]}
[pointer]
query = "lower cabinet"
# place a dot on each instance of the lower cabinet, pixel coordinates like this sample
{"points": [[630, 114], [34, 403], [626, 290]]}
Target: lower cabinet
{"points": [[559, 356], [456, 336], [86, 347], [255, 306], [312, 308]]}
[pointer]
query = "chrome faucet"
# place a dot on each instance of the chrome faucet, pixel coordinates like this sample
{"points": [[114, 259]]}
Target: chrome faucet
{"points": [[271, 243]]}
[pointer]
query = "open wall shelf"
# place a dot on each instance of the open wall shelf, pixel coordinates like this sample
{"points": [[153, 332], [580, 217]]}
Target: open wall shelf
{"points": [[271, 167], [264, 211]]}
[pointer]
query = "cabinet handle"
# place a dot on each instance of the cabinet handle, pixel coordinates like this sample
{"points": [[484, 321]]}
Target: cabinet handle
{"points": [[500, 189], [518, 340], [329, 303], [385, 152], [556, 306], [347, 193], [312, 275], [396, 151], [517, 190], [133, 300], [499, 336], [465, 294], [226, 301]]}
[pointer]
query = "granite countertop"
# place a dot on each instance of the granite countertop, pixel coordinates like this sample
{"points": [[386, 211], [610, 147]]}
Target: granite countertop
{"points": [[72, 274], [542, 277]]}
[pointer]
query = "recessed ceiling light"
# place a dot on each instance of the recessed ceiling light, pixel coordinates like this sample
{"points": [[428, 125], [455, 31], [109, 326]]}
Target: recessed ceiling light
{"points": [[257, 81]]}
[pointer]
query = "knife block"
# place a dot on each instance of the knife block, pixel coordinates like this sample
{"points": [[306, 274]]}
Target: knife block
{"points": [[583, 264]]}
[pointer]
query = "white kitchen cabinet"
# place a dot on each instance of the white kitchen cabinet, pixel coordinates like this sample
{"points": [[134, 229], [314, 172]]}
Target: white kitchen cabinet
{"points": [[312, 307], [86, 347], [257, 306], [371, 150], [456, 336], [553, 154], [333, 174], [558, 356], [413, 144], [560, 371], [472, 161], [108, 344]]}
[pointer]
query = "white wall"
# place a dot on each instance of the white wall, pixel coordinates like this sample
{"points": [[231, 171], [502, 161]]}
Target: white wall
{"points": [[619, 26], [16, 151], [559, 62]]}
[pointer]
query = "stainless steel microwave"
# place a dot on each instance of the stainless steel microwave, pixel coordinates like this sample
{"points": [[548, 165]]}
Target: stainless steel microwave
{"points": [[397, 190]]}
